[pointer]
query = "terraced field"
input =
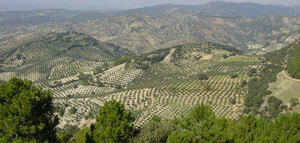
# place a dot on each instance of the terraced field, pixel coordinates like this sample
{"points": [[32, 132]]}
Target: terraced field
{"points": [[168, 88], [163, 82]]}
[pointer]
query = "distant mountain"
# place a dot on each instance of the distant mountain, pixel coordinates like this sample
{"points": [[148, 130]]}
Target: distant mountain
{"points": [[250, 27], [247, 9], [221, 9], [212, 9], [35, 17], [142, 33]]}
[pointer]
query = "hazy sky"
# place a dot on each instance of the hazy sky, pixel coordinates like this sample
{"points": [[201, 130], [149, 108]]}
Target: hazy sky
{"points": [[115, 4]]}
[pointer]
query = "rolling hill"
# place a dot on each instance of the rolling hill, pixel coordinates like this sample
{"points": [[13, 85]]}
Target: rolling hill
{"points": [[163, 75], [37, 58], [165, 82], [220, 9], [252, 28]]}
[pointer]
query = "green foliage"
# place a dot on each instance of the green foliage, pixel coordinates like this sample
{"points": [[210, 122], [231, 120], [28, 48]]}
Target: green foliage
{"points": [[225, 56], [64, 136], [274, 108], [85, 78], [294, 62], [118, 87], [249, 129], [73, 110], [61, 111], [143, 61], [156, 131], [258, 87], [113, 123], [232, 100], [83, 136], [252, 71], [294, 102], [202, 76], [244, 82], [72, 45], [283, 129], [26, 113], [124, 59], [201, 125], [286, 128], [98, 70], [207, 87], [100, 84], [234, 75]]}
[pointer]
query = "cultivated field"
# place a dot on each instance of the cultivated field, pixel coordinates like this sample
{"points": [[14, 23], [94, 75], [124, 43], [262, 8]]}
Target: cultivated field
{"points": [[169, 87]]}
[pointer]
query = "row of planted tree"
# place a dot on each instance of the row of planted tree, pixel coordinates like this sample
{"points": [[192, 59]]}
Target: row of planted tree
{"points": [[27, 115]]}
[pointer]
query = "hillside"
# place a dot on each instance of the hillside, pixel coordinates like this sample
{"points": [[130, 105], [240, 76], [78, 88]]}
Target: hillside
{"points": [[216, 9], [163, 75], [221, 9], [271, 89], [167, 82], [252, 28], [286, 87], [36, 59], [69, 44], [294, 62]]}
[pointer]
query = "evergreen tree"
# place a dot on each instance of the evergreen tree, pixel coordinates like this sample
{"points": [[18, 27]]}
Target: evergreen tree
{"points": [[26, 113], [113, 124], [201, 125], [156, 131]]}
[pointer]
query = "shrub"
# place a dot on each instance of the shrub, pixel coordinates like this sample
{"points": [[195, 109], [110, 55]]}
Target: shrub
{"points": [[252, 71], [73, 110], [234, 76], [293, 64], [294, 102], [244, 82], [207, 87], [156, 131], [202, 76], [225, 56]]}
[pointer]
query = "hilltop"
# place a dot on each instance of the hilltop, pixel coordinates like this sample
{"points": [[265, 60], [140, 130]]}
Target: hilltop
{"points": [[252, 28], [36, 59], [73, 45], [220, 9], [160, 60], [167, 82]]}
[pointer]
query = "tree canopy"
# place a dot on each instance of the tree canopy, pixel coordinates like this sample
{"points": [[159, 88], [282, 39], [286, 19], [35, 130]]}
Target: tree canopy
{"points": [[294, 62], [113, 123], [26, 113], [202, 76]]}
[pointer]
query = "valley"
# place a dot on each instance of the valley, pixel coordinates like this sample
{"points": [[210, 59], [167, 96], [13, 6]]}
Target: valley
{"points": [[163, 69]]}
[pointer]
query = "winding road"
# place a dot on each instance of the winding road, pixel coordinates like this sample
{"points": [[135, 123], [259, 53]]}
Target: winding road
{"points": [[290, 78]]}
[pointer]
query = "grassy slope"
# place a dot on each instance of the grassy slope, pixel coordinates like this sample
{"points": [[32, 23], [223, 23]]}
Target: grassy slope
{"points": [[285, 89]]}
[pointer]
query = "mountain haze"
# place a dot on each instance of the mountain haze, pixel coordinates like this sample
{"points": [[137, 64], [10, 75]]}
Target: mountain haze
{"points": [[163, 64]]}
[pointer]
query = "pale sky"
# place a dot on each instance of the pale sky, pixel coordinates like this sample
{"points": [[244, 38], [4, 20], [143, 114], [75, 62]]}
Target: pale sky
{"points": [[115, 4]]}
